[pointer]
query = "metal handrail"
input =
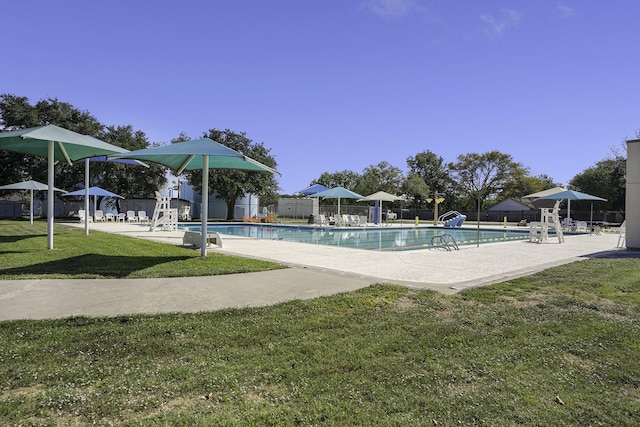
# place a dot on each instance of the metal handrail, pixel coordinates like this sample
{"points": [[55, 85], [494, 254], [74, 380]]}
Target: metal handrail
{"points": [[444, 241]]}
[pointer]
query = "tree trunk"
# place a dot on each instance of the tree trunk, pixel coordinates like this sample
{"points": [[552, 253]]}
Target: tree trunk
{"points": [[231, 204]]}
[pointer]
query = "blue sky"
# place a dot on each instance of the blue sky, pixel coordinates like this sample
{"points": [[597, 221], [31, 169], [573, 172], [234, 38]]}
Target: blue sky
{"points": [[331, 85]]}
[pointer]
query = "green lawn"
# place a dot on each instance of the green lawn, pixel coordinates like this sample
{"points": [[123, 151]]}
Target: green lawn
{"points": [[24, 255], [561, 347]]}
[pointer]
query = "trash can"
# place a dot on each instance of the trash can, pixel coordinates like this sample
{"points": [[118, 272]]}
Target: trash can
{"points": [[311, 219]]}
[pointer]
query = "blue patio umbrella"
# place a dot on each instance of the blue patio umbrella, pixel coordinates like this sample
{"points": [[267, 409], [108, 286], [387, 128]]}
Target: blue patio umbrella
{"points": [[86, 179], [95, 192], [315, 188], [338, 193]]}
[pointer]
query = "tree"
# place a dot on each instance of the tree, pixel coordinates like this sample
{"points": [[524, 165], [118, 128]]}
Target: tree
{"points": [[482, 176], [380, 177], [346, 178], [126, 180], [607, 180], [522, 184], [435, 174], [231, 185], [415, 189]]}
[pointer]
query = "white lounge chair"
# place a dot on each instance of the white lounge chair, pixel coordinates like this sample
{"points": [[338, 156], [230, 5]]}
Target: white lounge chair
{"points": [[131, 216], [322, 220], [142, 217], [81, 215], [581, 226], [99, 216]]}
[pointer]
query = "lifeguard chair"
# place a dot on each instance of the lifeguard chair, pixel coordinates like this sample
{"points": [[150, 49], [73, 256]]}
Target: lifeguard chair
{"points": [[163, 215]]}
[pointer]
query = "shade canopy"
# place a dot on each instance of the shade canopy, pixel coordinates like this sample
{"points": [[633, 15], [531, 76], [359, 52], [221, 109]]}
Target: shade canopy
{"points": [[198, 154], [571, 195], [315, 188], [93, 191], [190, 155], [54, 143], [575, 195], [338, 193], [382, 196], [544, 193], [31, 186]]}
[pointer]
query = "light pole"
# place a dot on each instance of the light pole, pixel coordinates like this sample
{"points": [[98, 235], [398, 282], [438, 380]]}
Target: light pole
{"points": [[435, 197]]}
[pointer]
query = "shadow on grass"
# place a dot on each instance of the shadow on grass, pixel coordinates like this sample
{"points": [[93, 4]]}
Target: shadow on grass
{"points": [[17, 237], [94, 264]]}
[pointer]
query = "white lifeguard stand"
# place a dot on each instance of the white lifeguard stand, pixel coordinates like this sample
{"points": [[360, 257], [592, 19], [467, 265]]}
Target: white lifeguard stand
{"points": [[539, 231], [163, 215]]}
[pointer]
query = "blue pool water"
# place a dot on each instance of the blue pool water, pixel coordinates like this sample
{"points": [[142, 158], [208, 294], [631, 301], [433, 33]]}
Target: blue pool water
{"points": [[373, 238]]}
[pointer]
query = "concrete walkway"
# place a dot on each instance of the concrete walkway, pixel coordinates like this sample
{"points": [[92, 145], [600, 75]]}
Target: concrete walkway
{"points": [[315, 271]]}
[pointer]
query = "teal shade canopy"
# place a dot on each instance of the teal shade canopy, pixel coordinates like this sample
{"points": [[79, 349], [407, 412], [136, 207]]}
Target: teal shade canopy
{"points": [[338, 193], [571, 195], [56, 144], [191, 155], [188, 155], [68, 145]]}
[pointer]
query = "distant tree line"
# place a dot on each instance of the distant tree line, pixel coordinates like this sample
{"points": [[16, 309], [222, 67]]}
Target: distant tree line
{"points": [[473, 181], [477, 181]]}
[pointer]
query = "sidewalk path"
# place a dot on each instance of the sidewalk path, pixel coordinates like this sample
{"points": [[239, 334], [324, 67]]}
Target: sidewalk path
{"points": [[315, 271]]}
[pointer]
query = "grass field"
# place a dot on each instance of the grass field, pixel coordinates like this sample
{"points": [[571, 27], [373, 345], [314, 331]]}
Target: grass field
{"points": [[557, 348]]}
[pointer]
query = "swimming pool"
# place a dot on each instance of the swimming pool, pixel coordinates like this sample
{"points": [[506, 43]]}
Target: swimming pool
{"points": [[372, 238]]}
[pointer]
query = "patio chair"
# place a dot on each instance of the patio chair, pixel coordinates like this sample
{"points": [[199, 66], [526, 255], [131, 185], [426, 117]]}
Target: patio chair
{"points": [[142, 217], [81, 215], [99, 216], [131, 216], [322, 220]]}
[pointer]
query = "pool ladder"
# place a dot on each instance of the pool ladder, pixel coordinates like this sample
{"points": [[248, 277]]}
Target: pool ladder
{"points": [[444, 241]]}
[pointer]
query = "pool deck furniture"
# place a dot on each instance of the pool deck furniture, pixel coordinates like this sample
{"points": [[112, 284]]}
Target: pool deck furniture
{"points": [[194, 238]]}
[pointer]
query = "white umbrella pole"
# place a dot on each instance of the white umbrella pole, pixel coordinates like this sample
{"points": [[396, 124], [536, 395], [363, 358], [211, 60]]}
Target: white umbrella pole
{"points": [[31, 209], [50, 196], [86, 197], [205, 205]]}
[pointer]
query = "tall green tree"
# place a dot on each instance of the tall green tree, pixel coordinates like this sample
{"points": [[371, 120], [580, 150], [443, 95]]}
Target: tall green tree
{"points": [[380, 177], [436, 175], [483, 176], [128, 181], [231, 185], [432, 169], [415, 190], [346, 178], [522, 184], [607, 180]]}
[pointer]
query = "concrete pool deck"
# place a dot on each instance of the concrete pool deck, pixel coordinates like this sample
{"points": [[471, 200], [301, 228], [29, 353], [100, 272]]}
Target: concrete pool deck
{"points": [[315, 271]]}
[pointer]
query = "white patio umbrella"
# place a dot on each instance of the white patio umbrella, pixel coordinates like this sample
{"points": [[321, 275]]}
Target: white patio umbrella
{"points": [[381, 196], [31, 186]]}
